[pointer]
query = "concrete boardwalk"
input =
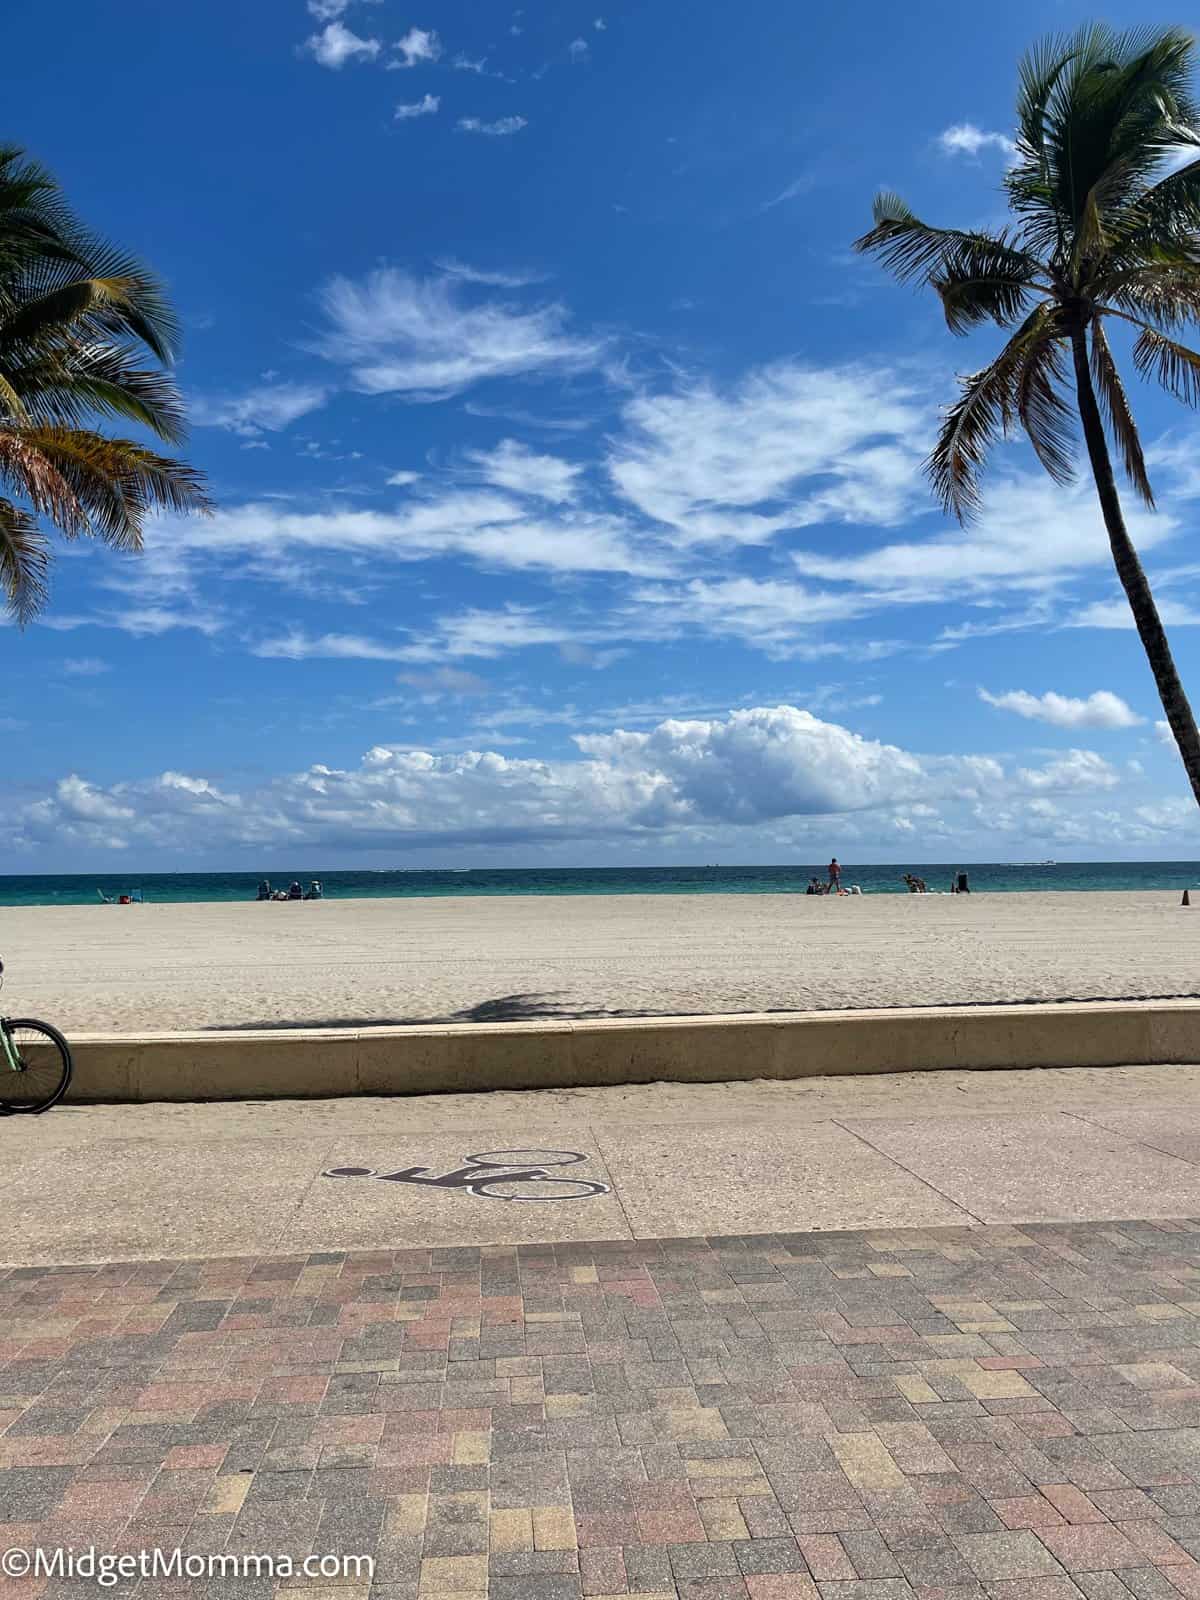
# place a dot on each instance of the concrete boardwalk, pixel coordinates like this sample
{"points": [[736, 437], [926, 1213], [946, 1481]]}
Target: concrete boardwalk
{"points": [[682, 1393], [664, 1160]]}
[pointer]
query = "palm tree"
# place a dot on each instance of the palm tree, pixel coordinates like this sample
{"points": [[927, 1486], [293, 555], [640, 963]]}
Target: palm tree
{"points": [[1103, 234], [78, 320]]}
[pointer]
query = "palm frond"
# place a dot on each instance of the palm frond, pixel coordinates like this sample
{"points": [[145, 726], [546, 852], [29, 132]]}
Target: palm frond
{"points": [[1169, 210], [1173, 365], [33, 477], [979, 282], [24, 561], [35, 222], [1038, 73], [910, 248], [1046, 416], [1159, 284], [118, 482], [12, 407], [114, 294], [70, 381], [984, 411], [1117, 105], [1115, 406]]}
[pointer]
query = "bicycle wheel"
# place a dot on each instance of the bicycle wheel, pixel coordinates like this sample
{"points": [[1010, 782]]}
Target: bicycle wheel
{"points": [[43, 1071], [502, 1188]]}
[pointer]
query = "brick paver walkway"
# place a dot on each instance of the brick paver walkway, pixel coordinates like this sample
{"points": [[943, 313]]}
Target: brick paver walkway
{"points": [[954, 1414]]}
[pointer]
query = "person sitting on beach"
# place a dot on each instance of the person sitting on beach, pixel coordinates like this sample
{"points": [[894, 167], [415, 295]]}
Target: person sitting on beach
{"points": [[912, 883], [264, 889], [295, 892]]}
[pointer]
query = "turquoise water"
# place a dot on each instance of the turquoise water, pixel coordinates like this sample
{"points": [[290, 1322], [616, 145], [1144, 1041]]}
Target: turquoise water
{"points": [[992, 878]]}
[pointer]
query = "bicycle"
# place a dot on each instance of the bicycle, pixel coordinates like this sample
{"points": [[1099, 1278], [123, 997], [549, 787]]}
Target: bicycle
{"points": [[35, 1064], [486, 1178]]}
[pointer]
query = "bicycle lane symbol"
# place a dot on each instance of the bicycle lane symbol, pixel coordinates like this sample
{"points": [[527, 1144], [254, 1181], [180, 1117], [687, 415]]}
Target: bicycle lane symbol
{"points": [[495, 1175]]}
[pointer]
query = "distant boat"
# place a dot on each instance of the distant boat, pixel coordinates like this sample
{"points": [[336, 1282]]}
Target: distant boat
{"points": [[1033, 863]]}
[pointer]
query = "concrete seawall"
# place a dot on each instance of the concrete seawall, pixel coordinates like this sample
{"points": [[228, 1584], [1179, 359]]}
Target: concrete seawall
{"points": [[695, 1049]]}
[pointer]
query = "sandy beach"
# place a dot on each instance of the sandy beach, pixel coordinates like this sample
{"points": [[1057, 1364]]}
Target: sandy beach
{"points": [[358, 962]]}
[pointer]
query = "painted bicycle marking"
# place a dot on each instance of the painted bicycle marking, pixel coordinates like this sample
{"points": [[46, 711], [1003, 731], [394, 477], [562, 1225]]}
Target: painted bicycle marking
{"points": [[495, 1175]]}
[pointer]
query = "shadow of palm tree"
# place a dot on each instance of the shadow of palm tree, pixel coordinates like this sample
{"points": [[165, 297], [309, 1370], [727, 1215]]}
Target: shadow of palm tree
{"points": [[504, 1008]]}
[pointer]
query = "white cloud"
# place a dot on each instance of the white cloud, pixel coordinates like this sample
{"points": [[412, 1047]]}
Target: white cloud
{"points": [[715, 466], [142, 621], [418, 46], [746, 768], [483, 525], [782, 618], [743, 769], [404, 480], [427, 106], [514, 278], [407, 335], [1078, 769], [85, 666], [267, 408], [600, 25], [490, 634], [335, 45], [500, 129], [444, 681], [296, 645], [1030, 533], [965, 139], [790, 191], [1099, 710], [1116, 613], [514, 466], [330, 10], [1162, 732], [462, 63], [577, 49]]}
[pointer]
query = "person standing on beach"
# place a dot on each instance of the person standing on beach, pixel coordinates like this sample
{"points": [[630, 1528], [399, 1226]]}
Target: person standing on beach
{"points": [[835, 877]]}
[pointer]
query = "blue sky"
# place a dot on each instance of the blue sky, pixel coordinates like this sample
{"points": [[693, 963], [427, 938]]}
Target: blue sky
{"points": [[568, 463]]}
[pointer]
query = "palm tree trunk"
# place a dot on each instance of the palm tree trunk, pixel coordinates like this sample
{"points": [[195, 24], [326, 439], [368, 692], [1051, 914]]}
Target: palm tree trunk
{"points": [[1133, 578]]}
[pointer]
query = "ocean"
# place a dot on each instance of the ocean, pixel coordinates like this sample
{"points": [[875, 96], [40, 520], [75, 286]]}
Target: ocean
{"points": [[985, 877]]}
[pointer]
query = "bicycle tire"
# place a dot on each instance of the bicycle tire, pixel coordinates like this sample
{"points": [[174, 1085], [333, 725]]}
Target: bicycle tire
{"points": [[584, 1189], [45, 1082]]}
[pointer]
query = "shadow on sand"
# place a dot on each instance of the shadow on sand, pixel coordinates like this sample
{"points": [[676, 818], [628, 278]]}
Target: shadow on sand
{"points": [[506, 1008]]}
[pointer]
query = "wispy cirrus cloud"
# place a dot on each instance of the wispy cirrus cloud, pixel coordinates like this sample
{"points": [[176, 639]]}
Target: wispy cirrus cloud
{"points": [[790, 191], [491, 277], [501, 128], [400, 334], [296, 645], [330, 10], [788, 445], [266, 408], [485, 525], [1116, 613], [514, 466], [1030, 535], [85, 667], [427, 106]]}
